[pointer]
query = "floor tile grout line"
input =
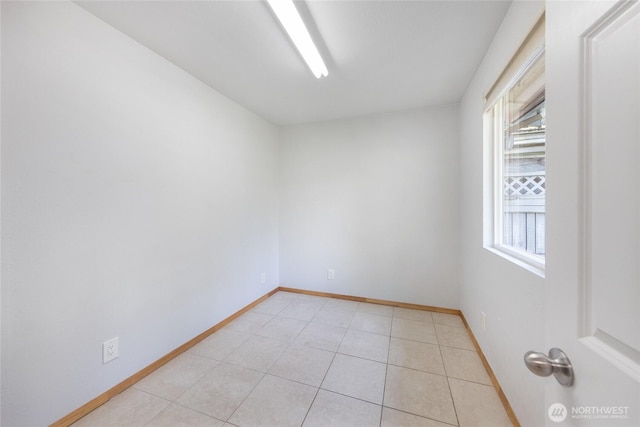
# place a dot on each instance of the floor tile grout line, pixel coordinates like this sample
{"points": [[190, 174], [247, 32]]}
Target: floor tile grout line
{"points": [[361, 358], [240, 404], [245, 398], [310, 406], [414, 369], [293, 381], [418, 341], [291, 344], [386, 374], [330, 324], [453, 402], [264, 374], [471, 382], [196, 410], [457, 348], [188, 388], [323, 378], [159, 397], [415, 340], [369, 332], [351, 397], [365, 358], [420, 416]]}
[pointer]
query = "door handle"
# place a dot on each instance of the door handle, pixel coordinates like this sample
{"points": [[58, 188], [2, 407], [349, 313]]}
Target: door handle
{"points": [[556, 363]]}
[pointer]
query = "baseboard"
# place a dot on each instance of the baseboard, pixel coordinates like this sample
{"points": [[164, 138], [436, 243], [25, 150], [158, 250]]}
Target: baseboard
{"points": [[373, 301], [90, 406], [503, 398]]}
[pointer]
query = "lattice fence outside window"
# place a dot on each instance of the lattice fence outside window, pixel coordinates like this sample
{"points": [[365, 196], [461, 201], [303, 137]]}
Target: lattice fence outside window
{"points": [[524, 211], [522, 185]]}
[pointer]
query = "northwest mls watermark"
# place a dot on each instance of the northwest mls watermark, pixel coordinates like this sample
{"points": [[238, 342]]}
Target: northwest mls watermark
{"points": [[558, 412]]}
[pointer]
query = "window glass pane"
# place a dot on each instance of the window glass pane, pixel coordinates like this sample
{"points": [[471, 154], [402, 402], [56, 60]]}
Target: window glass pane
{"points": [[522, 139]]}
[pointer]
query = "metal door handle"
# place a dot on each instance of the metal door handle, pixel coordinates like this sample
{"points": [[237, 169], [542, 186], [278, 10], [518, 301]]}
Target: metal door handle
{"points": [[557, 363]]}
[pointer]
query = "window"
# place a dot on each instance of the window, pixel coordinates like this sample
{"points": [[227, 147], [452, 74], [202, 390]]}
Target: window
{"points": [[516, 118]]}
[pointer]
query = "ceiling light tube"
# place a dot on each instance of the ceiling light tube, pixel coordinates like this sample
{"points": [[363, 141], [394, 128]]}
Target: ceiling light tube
{"points": [[288, 15]]}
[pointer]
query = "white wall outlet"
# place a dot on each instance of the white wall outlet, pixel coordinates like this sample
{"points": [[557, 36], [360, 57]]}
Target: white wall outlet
{"points": [[110, 350], [483, 321], [331, 274], [263, 278]]}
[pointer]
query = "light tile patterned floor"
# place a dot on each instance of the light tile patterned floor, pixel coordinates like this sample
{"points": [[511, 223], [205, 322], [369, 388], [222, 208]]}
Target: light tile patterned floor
{"points": [[301, 360]]}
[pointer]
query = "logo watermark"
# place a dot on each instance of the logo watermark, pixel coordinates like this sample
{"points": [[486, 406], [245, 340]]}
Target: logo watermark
{"points": [[558, 412]]}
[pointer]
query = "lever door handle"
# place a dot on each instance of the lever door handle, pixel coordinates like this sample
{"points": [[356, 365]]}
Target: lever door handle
{"points": [[556, 363]]}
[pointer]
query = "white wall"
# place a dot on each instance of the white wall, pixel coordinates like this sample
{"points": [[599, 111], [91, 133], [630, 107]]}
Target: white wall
{"points": [[511, 297], [136, 202], [0, 218], [376, 199]]}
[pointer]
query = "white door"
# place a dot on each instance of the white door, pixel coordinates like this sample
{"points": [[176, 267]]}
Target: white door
{"points": [[592, 286]]}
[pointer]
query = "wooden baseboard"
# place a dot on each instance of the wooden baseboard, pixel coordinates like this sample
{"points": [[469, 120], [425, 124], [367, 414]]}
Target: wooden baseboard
{"points": [[119, 388], [93, 404], [373, 301], [503, 398]]}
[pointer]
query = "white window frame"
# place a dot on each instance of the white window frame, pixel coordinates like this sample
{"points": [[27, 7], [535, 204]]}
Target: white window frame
{"points": [[494, 132]]}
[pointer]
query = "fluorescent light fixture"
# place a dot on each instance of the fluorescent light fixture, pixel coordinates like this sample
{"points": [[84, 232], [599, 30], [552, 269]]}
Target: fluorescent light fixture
{"points": [[288, 15]]}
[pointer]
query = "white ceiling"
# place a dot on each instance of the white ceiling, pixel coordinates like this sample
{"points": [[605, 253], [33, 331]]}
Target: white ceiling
{"points": [[381, 55]]}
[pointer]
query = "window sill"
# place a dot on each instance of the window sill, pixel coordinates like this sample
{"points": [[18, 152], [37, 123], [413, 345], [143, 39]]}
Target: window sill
{"points": [[529, 263]]}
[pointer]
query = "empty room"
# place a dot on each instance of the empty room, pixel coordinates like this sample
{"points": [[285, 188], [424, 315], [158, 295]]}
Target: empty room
{"points": [[320, 213]]}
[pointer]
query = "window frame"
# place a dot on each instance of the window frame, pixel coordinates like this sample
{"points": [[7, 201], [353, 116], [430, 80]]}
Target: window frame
{"points": [[494, 130]]}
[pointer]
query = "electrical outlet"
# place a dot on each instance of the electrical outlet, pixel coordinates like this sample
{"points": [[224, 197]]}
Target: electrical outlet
{"points": [[110, 350], [483, 320], [331, 274], [263, 278]]}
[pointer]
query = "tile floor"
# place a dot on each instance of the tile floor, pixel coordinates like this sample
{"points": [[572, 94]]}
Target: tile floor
{"points": [[300, 360]]}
